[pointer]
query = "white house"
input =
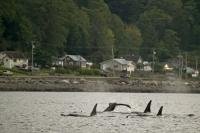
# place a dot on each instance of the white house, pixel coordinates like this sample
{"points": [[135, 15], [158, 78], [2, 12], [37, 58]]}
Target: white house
{"points": [[117, 65], [58, 61], [167, 68], [189, 70], [195, 74], [72, 61], [147, 66], [192, 72], [10, 59]]}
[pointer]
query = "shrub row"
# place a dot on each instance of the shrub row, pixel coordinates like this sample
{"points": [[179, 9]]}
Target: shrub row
{"points": [[84, 71]]}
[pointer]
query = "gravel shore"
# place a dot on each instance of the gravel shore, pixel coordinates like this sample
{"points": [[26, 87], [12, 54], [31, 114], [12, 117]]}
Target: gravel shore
{"points": [[97, 84]]}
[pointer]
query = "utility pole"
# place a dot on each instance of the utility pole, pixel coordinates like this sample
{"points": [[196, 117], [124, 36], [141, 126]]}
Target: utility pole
{"points": [[196, 63], [32, 65], [80, 62], [154, 52], [186, 63], [113, 56], [180, 62], [186, 60], [181, 67]]}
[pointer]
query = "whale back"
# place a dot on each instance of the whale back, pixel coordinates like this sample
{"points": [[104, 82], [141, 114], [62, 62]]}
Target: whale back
{"points": [[148, 108], [111, 107]]}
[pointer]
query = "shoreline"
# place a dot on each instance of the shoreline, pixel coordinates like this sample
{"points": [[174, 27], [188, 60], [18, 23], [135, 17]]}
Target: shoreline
{"points": [[96, 84]]}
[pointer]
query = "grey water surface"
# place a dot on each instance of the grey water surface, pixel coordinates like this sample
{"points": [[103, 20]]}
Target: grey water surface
{"points": [[39, 112]]}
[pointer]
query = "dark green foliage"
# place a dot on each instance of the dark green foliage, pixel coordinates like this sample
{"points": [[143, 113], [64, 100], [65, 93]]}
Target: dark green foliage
{"points": [[16, 71], [93, 28], [170, 26], [158, 68], [89, 72], [77, 71], [63, 71]]}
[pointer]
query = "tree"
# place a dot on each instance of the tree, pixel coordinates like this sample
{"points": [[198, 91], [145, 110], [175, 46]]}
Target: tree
{"points": [[102, 37], [128, 10], [51, 24], [93, 28], [15, 27], [78, 38], [152, 24]]}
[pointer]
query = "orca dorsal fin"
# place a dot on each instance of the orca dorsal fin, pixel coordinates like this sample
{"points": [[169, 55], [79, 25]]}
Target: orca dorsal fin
{"points": [[94, 110], [148, 108], [160, 111]]}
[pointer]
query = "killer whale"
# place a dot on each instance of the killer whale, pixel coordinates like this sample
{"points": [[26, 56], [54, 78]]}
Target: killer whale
{"points": [[112, 106], [150, 114], [148, 107], [160, 111], [93, 113], [142, 114], [146, 110]]}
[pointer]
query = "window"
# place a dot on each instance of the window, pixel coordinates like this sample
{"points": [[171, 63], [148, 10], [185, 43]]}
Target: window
{"points": [[70, 63], [115, 66]]}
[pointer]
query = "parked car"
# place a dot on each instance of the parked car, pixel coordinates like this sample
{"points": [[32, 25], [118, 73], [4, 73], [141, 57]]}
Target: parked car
{"points": [[34, 68], [105, 74]]}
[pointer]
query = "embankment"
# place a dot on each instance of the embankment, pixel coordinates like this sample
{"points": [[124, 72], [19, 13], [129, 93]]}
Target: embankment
{"points": [[97, 84]]}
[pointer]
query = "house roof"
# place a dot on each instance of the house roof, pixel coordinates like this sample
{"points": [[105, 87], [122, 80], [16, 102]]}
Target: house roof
{"points": [[134, 58], [14, 54], [76, 57], [189, 70], [146, 63], [120, 61]]}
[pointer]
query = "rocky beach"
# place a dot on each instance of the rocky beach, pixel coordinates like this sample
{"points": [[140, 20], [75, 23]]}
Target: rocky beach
{"points": [[97, 84]]}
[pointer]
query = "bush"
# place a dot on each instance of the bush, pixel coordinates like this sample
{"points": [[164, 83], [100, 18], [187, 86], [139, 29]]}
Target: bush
{"points": [[77, 71], [158, 68], [63, 71], [89, 72], [1, 72], [16, 70]]}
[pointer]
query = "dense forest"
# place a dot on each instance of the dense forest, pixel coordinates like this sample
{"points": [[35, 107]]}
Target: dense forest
{"points": [[93, 28]]}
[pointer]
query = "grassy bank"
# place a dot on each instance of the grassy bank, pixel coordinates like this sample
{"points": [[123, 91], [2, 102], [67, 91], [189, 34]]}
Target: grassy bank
{"points": [[51, 72], [96, 84]]}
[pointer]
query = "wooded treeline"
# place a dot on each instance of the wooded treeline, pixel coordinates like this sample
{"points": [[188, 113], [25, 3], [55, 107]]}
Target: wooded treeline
{"points": [[93, 27]]}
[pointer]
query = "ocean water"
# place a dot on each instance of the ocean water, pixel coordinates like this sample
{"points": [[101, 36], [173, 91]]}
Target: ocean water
{"points": [[40, 112]]}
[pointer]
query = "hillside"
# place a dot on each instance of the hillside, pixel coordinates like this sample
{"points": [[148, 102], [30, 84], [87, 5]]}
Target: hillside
{"points": [[93, 28]]}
